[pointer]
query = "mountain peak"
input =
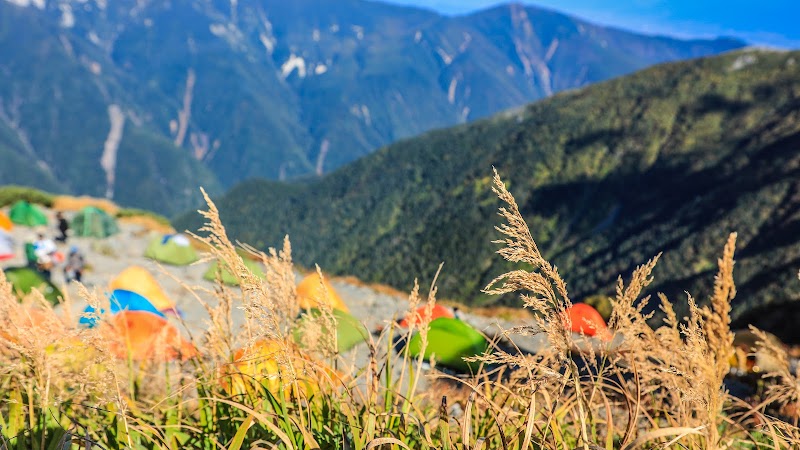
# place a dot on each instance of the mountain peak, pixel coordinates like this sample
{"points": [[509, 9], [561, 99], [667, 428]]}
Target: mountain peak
{"points": [[275, 89]]}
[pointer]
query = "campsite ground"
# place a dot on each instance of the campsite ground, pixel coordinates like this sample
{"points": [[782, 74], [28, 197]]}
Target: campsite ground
{"points": [[352, 404], [106, 258]]}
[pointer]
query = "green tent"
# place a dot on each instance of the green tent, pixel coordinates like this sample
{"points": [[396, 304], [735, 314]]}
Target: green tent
{"points": [[94, 222], [449, 342], [349, 331], [25, 279], [173, 249], [230, 278], [24, 213]]}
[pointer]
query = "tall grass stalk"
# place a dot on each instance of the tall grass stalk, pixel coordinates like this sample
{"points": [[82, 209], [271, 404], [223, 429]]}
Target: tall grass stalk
{"points": [[254, 386]]}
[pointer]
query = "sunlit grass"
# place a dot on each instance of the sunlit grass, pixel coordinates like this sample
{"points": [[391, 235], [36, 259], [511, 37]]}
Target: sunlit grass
{"points": [[255, 387]]}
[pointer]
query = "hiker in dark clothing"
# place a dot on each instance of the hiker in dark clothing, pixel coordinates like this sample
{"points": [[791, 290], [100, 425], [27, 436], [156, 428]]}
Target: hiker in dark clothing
{"points": [[63, 226]]}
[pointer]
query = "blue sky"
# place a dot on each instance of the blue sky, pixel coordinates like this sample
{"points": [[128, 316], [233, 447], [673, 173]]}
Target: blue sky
{"points": [[763, 22]]}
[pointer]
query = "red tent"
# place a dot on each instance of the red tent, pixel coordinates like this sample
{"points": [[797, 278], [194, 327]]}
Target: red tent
{"points": [[417, 317], [584, 319]]}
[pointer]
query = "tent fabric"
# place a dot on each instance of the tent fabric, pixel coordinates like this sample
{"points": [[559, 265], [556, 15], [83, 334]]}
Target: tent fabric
{"points": [[349, 331], [24, 280], [144, 336], [257, 366], [24, 213], [121, 300], [310, 292], [418, 315], [94, 222], [6, 246], [171, 249], [5, 222], [177, 238], [749, 355], [138, 280], [228, 277], [181, 240], [23, 320], [603, 305], [449, 342], [584, 319]]}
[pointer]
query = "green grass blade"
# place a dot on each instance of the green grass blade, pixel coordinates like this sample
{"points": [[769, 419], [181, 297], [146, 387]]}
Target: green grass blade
{"points": [[238, 439]]}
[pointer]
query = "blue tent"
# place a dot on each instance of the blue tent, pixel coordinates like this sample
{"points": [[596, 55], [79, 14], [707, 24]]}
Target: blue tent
{"points": [[122, 300]]}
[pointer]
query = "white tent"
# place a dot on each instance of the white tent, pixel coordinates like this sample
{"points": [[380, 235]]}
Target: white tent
{"points": [[6, 246]]}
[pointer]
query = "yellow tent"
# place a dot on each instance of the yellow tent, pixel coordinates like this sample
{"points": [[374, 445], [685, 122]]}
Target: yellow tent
{"points": [[139, 280], [310, 293], [264, 365], [5, 222]]}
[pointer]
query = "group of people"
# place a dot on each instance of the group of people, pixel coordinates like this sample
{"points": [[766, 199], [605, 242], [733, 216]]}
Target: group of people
{"points": [[43, 253]]}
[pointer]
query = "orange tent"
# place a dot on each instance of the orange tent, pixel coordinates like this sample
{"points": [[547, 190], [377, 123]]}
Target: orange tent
{"points": [[139, 280], [584, 319], [24, 323], [28, 326], [5, 222], [310, 293], [145, 336], [437, 312]]}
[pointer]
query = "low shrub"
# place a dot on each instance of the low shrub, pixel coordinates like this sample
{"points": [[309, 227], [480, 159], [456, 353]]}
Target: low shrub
{"points": [[12, 194]]}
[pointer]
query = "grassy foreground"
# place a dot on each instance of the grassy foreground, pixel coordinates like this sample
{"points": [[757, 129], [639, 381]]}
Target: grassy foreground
{"points": [[662, 388]]}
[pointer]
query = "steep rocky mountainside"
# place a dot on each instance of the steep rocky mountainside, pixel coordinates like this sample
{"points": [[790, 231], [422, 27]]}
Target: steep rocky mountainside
{"points": [[145, 100]]}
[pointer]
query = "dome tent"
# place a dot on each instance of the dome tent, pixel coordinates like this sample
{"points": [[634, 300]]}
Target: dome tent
{"points": [[173, 249], [138, 280], [5, 222], [750, 353], [418, 315], [228, 277], [24, 280], [6, 246], [450, 341], [262, 366], [584, 319], [349, 331], [602, 303], [94, 222], [24, 213], [121, 300], [26, 319], [144, 336], [310, 292]]}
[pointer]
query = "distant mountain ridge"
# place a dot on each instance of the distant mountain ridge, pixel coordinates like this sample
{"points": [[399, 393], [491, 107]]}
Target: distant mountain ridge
{"points": [[669, 159], [145, 100]]}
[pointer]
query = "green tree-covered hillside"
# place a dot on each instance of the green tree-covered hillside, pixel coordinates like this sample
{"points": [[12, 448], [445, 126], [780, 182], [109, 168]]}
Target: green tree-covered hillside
{"points": [[670, 159]]}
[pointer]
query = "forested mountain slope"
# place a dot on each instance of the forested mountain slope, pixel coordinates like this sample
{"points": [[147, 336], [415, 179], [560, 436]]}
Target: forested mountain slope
{"points": [[670, 159]]}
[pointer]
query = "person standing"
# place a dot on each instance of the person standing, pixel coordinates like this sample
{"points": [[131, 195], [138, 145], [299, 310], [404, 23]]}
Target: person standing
{"points": [[45, 250], [63, 227], [75, 265]]}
